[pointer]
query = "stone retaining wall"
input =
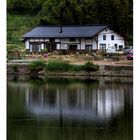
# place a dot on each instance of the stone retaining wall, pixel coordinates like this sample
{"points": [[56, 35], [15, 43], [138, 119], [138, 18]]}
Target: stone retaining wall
{"points": [[104, 70], [17, 69]]}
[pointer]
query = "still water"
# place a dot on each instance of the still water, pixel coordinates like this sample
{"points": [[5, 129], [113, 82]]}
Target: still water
{"points": [[67, 109]]}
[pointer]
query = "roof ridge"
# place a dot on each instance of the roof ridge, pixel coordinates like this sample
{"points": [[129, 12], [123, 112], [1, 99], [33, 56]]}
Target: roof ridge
{"points": [[81, 25]]}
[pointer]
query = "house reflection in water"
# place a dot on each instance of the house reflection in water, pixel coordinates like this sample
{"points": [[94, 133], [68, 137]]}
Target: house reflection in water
{"points": [[75, 102]]}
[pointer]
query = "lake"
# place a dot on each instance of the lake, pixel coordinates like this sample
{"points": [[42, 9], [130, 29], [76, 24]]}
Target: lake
{"points": [[70, 109]]}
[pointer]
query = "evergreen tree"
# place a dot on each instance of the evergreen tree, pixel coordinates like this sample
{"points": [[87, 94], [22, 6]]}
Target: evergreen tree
{"points": [[116, 13]]}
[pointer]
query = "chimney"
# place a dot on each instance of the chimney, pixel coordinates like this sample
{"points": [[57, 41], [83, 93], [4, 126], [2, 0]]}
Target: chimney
{"points": [[61, 30]]}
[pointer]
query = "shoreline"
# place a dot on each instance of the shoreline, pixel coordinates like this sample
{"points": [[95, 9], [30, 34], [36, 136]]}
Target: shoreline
{"points": [[104, 71], [23, 79]]}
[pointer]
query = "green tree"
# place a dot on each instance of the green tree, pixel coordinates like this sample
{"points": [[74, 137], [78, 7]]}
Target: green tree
{"points": [[116, 13]]}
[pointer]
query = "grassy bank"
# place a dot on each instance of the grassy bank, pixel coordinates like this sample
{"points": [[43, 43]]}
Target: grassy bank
{"points": [[64, 66], [63, 69], [60, 66]]}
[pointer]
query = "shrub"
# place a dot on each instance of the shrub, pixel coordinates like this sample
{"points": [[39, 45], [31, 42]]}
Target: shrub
{"points": [[58, 66], [89, 66], [64, 66], [76, 68], [45, 50], [36, 66]]}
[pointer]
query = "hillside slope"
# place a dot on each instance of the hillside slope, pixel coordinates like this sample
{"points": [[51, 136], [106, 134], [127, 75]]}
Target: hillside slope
{"points": [[17, 25]]}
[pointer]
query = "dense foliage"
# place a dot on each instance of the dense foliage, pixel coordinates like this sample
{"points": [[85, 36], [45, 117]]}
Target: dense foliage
{"points": [[58, 66], [64, 66], [116, 13], [89, 66], [61, 66], [36, 66], [17, 25]]}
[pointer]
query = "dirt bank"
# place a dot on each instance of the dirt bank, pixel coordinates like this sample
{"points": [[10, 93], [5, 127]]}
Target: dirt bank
{"points": [[82, 58]]}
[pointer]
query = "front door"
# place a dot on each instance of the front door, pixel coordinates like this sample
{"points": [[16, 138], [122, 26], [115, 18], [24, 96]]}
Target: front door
{"points": [[35, 47], [103, 47]]}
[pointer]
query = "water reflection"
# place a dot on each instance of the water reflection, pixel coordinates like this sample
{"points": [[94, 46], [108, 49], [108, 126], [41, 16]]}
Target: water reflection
{"points": [[61, 109], [92, 103]]}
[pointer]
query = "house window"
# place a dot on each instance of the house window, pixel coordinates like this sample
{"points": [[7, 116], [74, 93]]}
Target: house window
{"points": [[103, 46], [112, 37], [88, 47], [116, 46], [104, 37], [120, 47], [72, 39]]}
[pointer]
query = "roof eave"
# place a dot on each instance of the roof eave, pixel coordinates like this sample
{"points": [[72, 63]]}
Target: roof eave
{"points": [[101, 30]]}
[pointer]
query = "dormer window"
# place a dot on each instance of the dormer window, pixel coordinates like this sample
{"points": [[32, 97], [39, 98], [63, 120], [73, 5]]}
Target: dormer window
{"points": [[104, 37], [112, 37]]}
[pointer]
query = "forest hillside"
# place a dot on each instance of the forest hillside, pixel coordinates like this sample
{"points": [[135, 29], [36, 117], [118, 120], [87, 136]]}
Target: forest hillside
{"points": [[23, 15]]}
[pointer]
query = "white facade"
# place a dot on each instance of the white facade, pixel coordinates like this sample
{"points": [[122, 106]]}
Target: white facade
{"points": [[107, 40], [27, 44]]}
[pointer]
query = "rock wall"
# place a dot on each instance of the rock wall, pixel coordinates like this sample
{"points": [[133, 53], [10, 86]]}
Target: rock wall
{"points": [[17, 69], [104, 70]]}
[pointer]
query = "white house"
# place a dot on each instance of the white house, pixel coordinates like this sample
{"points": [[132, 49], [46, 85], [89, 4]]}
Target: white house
{"points": [[73, 38]]}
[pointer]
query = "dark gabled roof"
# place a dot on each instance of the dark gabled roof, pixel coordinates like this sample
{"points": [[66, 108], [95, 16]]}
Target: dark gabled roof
{"points": [[68, 31]]}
